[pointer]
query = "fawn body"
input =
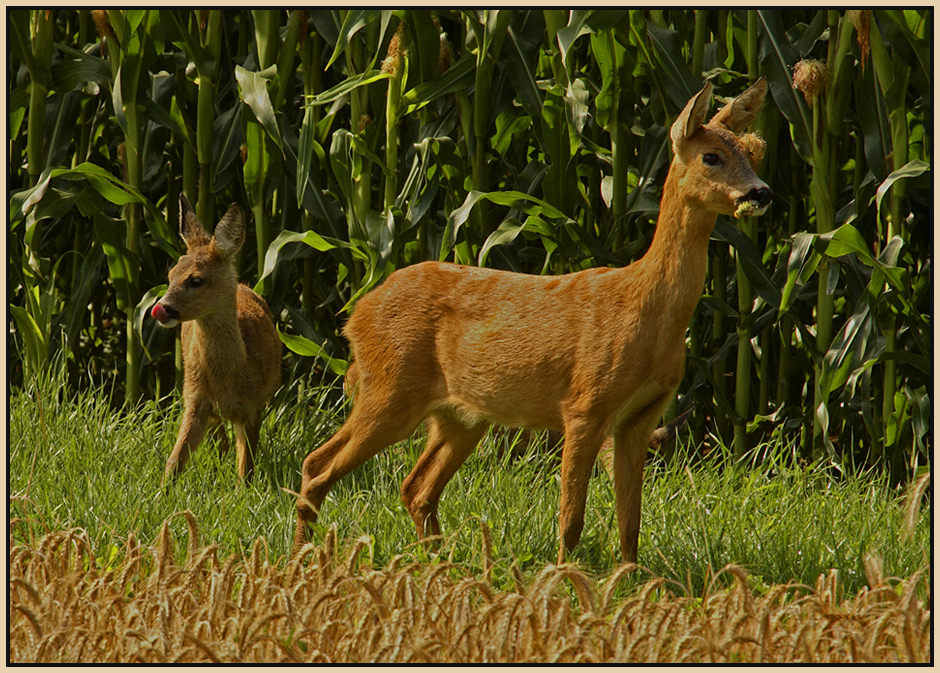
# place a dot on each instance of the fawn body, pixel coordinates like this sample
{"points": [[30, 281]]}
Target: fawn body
{"points": [[231, 351], [596, 353]]}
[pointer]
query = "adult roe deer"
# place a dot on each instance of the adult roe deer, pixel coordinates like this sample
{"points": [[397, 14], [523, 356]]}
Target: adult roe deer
{"points": [[231, 351], [594, 353]]}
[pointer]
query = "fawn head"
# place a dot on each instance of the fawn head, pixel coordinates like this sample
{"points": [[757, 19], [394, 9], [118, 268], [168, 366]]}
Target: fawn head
{"points": [[205, 276], [715, 162]]}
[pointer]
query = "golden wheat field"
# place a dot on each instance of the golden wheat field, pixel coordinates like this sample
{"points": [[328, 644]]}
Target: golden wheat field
{"points": [[328, 606]]}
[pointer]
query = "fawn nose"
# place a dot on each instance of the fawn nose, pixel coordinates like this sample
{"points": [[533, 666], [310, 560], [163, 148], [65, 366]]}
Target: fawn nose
{"points": [[164, 313]]}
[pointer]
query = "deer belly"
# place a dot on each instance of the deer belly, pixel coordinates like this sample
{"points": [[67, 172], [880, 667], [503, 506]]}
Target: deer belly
{"points": [[509, 409], [512, 391]]}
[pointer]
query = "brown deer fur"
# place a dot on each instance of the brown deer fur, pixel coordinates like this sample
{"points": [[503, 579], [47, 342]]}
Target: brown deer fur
{"points": [[231, 351], [596, 353]]}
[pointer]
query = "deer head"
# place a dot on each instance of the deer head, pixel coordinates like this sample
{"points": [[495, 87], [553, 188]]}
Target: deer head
{"points": [[714, 162], [204, 278]]}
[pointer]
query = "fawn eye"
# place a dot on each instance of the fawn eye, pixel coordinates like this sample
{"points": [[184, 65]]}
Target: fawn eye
{"points": [[195, 281], [711, 159]]}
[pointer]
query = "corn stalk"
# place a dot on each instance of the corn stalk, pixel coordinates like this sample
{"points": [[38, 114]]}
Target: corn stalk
{"points": [[893, 75], [743, 373], [129, 55], [531, 140]]}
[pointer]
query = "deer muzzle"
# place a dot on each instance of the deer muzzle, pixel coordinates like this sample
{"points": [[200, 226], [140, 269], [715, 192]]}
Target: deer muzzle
{"points": [[167, 316], [755, 202]]}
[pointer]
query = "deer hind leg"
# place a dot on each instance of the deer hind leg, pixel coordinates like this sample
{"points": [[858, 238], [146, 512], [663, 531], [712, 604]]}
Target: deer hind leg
{"points": [[369, 429], [583, 439], [197, 418], [631, 442], [450, 441]]}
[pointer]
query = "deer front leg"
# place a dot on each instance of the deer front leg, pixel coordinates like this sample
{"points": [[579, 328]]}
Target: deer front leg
{"points": [[631, 442], [196, 419], [583, 440]]}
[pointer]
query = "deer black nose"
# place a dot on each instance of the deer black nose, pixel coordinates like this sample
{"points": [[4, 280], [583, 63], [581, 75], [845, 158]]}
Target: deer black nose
{"points": [[762, 195]]}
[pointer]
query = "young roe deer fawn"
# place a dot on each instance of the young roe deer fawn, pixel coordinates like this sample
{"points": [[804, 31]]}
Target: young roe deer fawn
{"points": [[231, 351], [596, 353]]}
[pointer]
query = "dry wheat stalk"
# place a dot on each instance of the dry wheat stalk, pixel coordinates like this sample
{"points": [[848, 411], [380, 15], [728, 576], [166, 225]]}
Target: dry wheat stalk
{"points": [[330, 607]]}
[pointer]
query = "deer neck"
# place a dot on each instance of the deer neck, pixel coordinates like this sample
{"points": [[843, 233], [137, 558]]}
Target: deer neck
{"points": [[677, 259], [219, 339]]}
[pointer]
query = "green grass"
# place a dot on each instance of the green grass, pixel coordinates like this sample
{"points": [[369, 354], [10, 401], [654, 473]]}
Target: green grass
{"points": [[75, 463]]}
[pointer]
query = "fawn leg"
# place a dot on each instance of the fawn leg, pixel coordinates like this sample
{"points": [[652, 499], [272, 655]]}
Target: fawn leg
{"points": [[450, 442], [196, 419], [631, 442], [583, 439], [364, 434]]}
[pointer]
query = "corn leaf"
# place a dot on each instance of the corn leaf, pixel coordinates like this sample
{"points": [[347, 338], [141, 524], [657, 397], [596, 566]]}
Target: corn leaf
{"points": [[912, 169], [778, 57], [346, 86], [307, 348], [458, 77], [253, 88]]}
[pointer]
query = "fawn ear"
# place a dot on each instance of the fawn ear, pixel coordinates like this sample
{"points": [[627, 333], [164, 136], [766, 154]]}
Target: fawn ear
{"points": [[692, 117], [190, 228], [230, 232], [738, 114]]}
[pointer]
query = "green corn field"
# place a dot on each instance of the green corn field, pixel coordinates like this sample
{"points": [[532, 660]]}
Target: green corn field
{"points": [[362, 141]]}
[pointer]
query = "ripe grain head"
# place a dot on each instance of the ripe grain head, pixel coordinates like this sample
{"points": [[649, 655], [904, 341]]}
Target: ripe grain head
{"points": [[330, 607]]}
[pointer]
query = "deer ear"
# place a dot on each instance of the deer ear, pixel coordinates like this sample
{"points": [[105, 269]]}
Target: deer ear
{"points": [[190, 228], [229, 233], [692, 117], [738, 114]]}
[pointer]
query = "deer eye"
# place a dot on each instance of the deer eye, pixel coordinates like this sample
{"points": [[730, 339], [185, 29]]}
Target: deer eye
{"points": [[711, 159], [195, 281]]}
